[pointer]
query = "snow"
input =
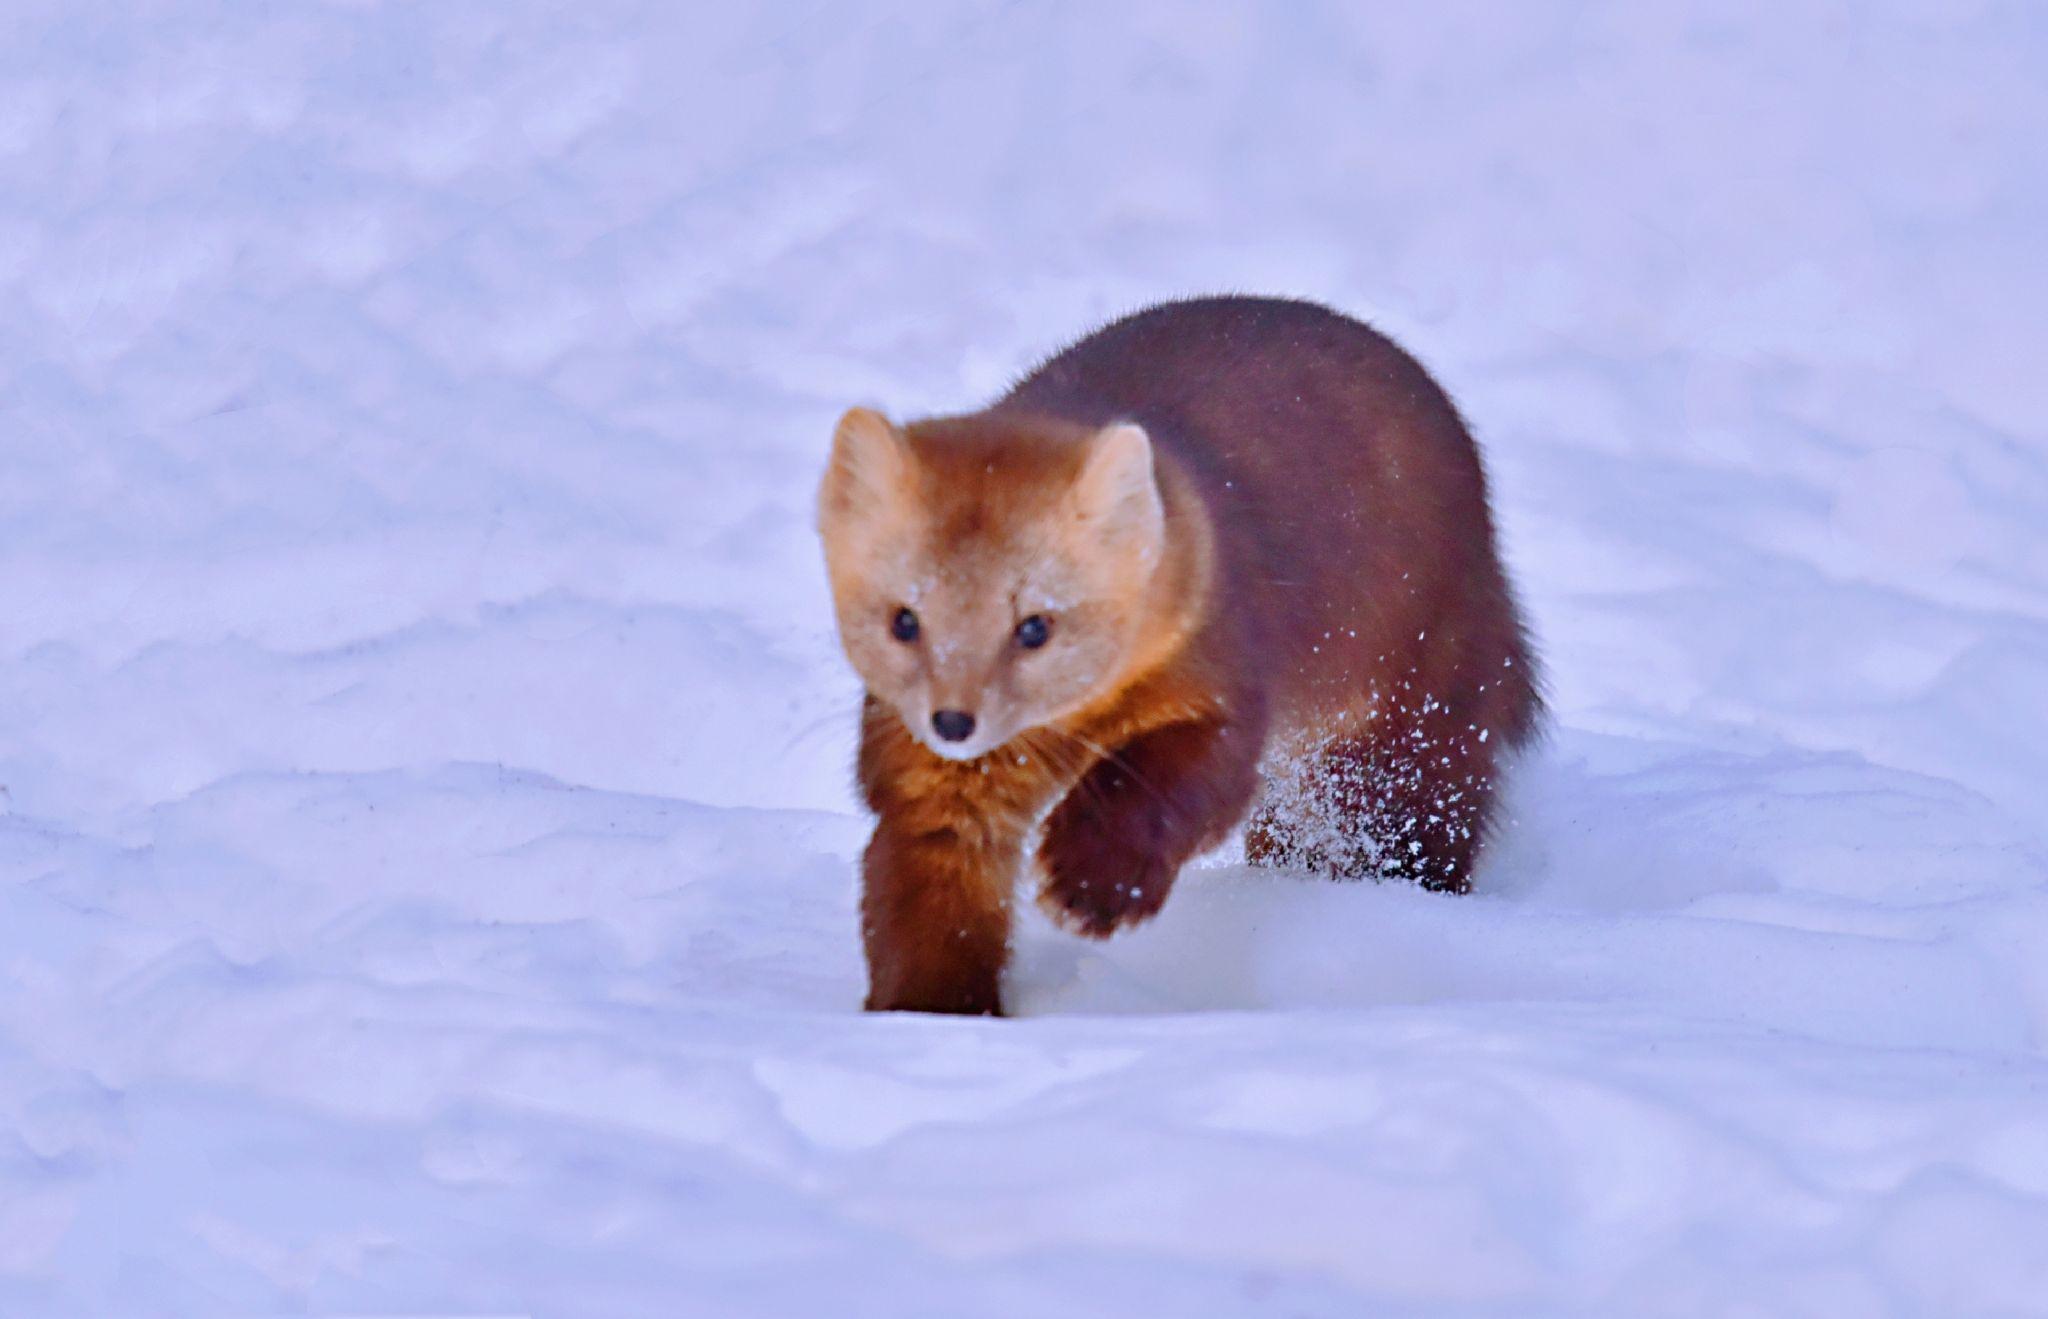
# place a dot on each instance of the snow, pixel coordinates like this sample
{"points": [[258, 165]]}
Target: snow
{"points": [[426, 843]]}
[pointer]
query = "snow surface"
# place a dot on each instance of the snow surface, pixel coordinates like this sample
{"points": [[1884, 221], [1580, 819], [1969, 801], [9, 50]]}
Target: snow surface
{"points": [[426, 862]]}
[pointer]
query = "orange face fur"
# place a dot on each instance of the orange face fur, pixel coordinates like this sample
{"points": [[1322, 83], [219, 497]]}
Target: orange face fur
{"points": [[989, 537]]}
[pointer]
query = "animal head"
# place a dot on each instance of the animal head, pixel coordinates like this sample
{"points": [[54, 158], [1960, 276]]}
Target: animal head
{"points": [[990, 575]]}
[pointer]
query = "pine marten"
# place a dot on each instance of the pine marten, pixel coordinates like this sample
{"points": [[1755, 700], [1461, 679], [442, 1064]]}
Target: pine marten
{"points": [[1224, 558]]}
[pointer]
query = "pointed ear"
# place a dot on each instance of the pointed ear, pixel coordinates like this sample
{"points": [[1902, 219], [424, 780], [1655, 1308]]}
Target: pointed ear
{"points": [[869, 472], [1118, 491]]}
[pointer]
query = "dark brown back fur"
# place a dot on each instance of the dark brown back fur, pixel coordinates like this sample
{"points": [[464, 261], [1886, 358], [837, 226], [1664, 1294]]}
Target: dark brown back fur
{"points": [[1351, 507]]}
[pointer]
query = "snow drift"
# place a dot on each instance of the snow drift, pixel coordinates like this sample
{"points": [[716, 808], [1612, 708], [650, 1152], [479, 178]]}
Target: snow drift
{"points": [[425, 840]]}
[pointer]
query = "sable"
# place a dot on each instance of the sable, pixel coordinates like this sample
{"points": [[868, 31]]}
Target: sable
{"points": [[1226, 557]]}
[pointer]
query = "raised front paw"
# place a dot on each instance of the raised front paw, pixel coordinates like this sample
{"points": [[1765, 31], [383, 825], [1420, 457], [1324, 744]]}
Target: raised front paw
{"points": [[1098, 879]]}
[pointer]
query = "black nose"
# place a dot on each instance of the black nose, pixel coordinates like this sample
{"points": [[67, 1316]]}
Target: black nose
{"points": [[953, 725]]}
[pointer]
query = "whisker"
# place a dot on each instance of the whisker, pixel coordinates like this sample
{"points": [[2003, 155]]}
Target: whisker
{"points": [[1114, 758], [824, 722]]}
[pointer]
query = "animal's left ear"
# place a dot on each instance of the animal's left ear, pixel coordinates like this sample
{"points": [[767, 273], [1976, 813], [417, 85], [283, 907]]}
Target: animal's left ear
{"points": [[1118, 491]]}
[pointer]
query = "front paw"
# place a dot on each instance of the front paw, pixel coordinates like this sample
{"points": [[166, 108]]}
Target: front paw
{"points": [[962, 988], [984, 1004], [1096, 882]]}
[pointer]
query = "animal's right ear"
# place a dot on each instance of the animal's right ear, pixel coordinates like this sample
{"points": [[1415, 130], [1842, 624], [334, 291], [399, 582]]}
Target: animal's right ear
{"points": [[869, 471]]}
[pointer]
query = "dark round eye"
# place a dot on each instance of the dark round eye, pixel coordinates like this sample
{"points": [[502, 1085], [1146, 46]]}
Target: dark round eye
{"points": [[903, 627], [1034, 632]]}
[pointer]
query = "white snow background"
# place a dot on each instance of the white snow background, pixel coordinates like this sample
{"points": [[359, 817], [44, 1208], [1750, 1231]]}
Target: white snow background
{"points": [[426, 867]]}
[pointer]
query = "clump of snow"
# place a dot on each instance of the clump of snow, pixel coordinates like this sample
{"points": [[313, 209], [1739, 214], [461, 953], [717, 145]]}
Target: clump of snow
{"points": [[426, 847]]}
